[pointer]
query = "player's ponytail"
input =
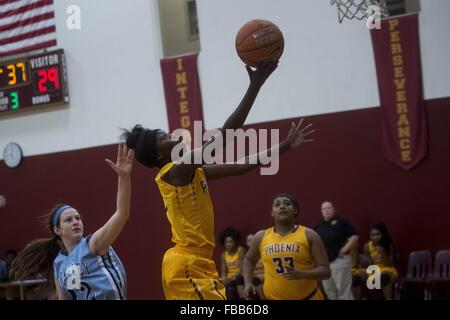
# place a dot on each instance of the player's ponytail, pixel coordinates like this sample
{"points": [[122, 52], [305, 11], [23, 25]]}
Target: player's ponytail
{"points": [[36, 259], [133, 137], [143, 142]]}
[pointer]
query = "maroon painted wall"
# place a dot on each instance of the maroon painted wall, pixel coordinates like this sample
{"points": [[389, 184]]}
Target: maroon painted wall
{"points": [[345, 164]]}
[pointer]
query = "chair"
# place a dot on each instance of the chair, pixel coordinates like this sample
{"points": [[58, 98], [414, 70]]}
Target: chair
{"points": [[442, 265], [418, 272], [439, 280]]}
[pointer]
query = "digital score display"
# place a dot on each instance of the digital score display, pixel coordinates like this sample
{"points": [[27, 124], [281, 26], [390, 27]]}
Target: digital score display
{"points": [[33, 81]]}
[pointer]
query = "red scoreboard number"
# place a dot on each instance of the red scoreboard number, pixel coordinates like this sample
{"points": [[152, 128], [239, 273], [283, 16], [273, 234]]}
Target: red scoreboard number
{"points": [[48, 80], [33, 81]]}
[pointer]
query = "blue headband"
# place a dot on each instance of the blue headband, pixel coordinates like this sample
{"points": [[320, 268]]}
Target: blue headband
{"points": [[58, 212]]}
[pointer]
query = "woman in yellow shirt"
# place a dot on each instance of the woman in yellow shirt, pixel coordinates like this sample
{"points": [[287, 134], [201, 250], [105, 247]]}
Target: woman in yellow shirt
{"points": [[231, 263], [294, 257], [380, 252]]}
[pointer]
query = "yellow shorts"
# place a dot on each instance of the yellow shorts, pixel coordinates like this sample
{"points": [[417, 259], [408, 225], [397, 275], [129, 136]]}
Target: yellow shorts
{"points": [[358, 271], [383, 269], [318, 296], [188, 276], [287, 294]]}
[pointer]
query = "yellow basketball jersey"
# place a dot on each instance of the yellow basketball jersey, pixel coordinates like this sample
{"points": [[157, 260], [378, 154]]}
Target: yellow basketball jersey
{"points": [[279, 252], [189, 210], [374, 254], [376, 258], [233, 263]]}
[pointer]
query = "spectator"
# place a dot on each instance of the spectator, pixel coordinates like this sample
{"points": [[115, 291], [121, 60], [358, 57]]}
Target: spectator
{"points": [[339, 237], [10, 255], [231, 263], [380, 251], [3, 271]]}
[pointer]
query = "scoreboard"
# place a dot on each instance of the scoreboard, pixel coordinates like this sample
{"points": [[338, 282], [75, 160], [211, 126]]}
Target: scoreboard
{"points": [[33, 82]]}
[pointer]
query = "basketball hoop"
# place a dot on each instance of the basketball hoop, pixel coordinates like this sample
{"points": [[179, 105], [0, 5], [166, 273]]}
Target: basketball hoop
{"points": [[358, 9]]}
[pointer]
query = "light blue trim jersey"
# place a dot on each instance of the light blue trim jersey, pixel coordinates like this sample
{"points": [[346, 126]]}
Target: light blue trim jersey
{"points": [[81, 275]]}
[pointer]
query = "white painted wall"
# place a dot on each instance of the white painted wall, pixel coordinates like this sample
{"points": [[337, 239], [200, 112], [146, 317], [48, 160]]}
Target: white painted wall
{"points": [[115, 78], [435, 44], [326, 66]]}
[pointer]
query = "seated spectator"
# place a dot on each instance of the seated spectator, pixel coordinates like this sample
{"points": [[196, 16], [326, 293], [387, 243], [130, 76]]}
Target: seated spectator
{"points": [[5, 265], [231, 263], [339, 237], [3, 271], [380, 251]]}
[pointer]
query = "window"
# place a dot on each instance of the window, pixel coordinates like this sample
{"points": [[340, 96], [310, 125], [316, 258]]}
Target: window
{"points": [[191, 14], [398, 7], [179, 27]]}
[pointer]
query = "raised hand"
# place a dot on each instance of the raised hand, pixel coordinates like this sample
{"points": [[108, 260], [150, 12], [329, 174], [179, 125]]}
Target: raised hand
{"points": [[260, 75], [124, 162], [298, 135]]}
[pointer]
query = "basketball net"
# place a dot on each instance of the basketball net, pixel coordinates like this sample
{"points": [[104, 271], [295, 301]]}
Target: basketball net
{"points": [[359, 9]]}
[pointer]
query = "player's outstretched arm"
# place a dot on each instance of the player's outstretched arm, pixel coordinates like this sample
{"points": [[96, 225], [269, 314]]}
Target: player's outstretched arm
{"points": [[103, 238], [296, 136], [251, 258], [183, 173]]}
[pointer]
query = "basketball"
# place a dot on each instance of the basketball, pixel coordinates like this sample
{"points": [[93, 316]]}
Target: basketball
{"points": [[259, 41]]}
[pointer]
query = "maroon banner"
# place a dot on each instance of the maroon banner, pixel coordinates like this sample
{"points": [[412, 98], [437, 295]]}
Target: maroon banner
{"points": [[182, 92], [397, 58]]}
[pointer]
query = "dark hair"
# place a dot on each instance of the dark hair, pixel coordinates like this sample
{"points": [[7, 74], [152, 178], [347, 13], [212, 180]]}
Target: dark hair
{"points": [[386, 240], [36, 259], [290, 197], [143, 142], [229, 232]]}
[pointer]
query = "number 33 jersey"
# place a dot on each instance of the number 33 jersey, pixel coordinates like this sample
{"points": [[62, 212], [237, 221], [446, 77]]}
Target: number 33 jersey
{"points": [[278, 254]]}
